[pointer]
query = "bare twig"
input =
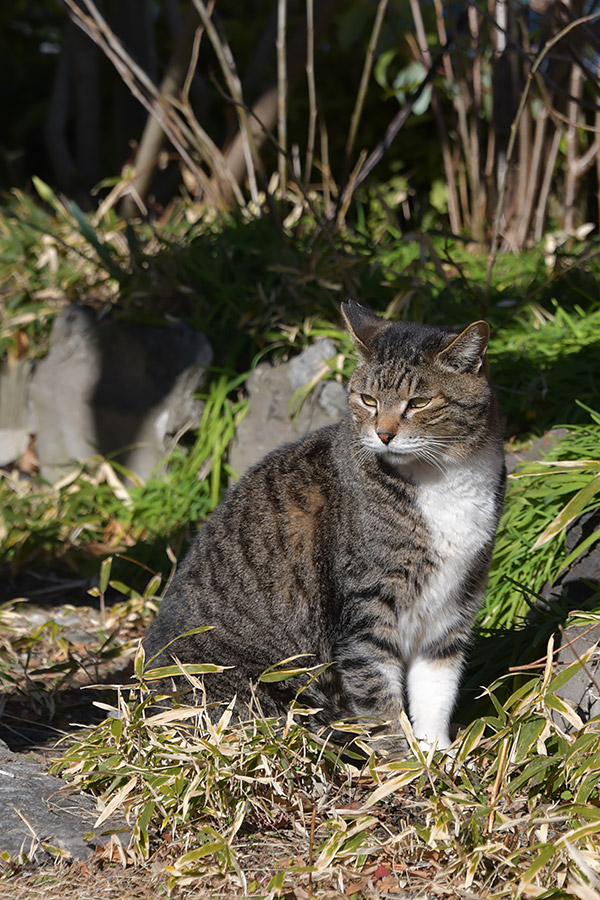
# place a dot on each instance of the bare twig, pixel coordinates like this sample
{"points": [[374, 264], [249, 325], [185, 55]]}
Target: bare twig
{"points": [[540, 210], [329, 187], [392, 130], [96, 27], [312, 92], [153, 136], [281, 91], [364, 81], [228, 68], [453, 207], [513, 134]]}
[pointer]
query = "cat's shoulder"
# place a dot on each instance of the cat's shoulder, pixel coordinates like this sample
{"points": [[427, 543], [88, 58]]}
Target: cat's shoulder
{"points": [[312, 458]]}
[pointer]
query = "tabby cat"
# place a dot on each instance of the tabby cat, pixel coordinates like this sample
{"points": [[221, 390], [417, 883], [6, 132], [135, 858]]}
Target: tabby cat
{"points": [[366, 544]]}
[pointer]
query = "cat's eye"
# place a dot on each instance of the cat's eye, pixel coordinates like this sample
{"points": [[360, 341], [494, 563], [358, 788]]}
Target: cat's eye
{"points": [[368, 400], [419, 402]]}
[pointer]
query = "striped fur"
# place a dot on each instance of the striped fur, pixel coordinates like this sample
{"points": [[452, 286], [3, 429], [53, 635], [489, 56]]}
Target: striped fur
{"points": [[365, 544]]}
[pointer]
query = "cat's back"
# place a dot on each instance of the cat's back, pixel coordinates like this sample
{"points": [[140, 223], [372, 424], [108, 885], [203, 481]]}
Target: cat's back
{"points": [[291, 488], [261, 560]]}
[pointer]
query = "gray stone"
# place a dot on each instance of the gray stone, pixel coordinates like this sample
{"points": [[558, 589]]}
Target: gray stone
{"points": [[14, 384], [120, 389], [39, 809], [13, 443], [276, 416], [583, 689], [302, 368], [577, 589], [534, 451], [14, 425]]}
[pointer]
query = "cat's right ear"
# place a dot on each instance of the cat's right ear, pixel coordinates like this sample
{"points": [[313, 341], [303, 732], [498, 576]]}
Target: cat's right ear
{"points": [[362, 324]]}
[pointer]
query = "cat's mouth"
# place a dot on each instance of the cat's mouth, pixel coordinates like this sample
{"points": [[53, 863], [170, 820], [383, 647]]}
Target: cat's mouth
{"points": [[401, 452]]}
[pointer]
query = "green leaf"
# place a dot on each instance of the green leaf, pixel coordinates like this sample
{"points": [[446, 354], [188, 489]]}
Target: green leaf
{"points": [[470, 739], [407, 81], [587, 787], [567, 673], [152, 586], [200, 853], [529, 732], [574, 508], [92, 238], [276, 882], [116, 728], [546, 852], [46, 193], [200, 630], [530, 772], [282, 674], [105, 574], [176, 671], [381, 67], [145, 816]]}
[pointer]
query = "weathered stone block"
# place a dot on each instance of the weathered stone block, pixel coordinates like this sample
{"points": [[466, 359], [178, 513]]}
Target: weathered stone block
{"points": [[577, 589], [14, 426], [115, 388], [272, 419], [57, 814]]}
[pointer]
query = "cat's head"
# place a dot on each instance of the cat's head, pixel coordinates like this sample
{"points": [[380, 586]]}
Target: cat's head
{"points": [[419, 392]]}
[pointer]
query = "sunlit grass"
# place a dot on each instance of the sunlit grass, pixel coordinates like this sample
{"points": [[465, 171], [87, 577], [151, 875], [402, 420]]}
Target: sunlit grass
{"points": [[513, 808]]}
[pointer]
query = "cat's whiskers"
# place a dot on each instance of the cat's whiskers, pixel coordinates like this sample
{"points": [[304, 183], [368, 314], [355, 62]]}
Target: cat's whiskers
{"points": [[361, 453], [429, 456]]}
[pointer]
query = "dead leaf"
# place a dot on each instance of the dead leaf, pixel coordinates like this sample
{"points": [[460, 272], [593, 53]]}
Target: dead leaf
{"points": [[381, 872], [355, 887], [28, 461], [301, 894]]}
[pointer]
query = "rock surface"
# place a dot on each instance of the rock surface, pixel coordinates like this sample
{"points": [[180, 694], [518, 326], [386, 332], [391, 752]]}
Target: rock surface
{"points": [[39, 809], [536, 450], [273, 418], [14, 426], [115, 388], [576, 589], [583, 690]]}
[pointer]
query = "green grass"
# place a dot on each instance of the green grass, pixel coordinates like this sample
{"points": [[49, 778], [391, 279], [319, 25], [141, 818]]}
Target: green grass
{"points": [[542, 500], [94, 505]]}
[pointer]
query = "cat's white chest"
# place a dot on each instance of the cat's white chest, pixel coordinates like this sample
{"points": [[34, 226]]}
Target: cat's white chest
{"points": [[459, 507]]}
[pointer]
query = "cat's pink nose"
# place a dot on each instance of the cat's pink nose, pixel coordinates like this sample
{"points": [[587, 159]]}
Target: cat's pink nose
{"points": [[384, 436]]}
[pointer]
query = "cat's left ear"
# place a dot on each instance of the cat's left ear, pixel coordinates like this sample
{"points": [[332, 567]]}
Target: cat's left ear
{"points": [[466, 353], [363, 325]]}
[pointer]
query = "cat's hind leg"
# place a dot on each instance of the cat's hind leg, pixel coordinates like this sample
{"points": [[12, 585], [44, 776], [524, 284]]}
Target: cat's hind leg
{"points": [[372, 679]]}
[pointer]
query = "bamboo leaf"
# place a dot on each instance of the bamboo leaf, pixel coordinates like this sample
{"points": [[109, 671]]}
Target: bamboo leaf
{"points": [[469, 740], [282, 674], [176, 671], [574, 508], [116, 801], [571, 670], [546, 852], [105, 574]]}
